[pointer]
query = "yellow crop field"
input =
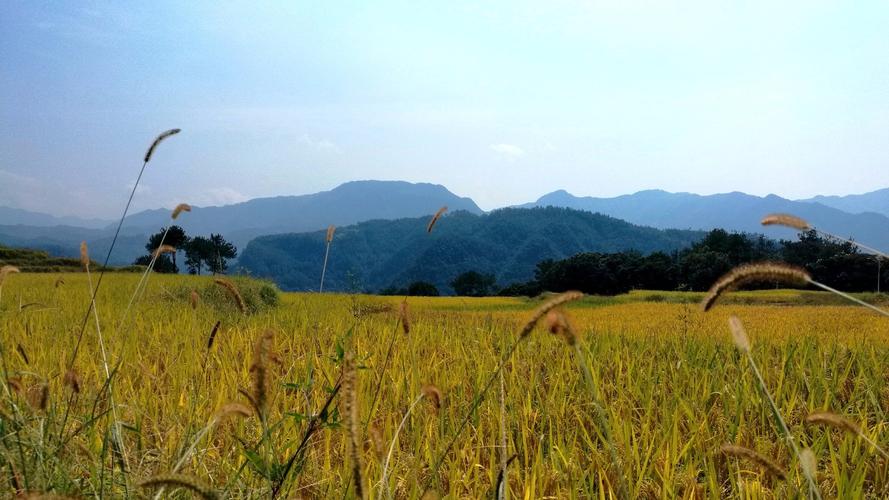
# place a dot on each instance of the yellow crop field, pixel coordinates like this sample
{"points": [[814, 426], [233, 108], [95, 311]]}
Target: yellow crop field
{"points": [[651, 378]]}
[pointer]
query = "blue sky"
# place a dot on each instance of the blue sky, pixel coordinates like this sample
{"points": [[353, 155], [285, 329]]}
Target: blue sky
{"points": [[500, 101]]}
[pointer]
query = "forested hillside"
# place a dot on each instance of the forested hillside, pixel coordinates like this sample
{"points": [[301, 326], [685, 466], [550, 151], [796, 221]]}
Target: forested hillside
{"points": [[507, 243]]}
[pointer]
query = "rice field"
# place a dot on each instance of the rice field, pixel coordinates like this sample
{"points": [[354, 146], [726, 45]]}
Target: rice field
{"points": [[283, 400]]}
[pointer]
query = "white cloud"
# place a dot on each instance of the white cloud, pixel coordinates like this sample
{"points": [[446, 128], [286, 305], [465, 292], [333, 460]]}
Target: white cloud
{"points": [[509, 151], [319, 144]]}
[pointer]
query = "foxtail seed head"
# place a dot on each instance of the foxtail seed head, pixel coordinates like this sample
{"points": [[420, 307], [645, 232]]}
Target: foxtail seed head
{"points": [[748, 273], [435, 218], [547, 306], [786, 220], [739, 334], [330, 230], [157, 140], [182, 207]]}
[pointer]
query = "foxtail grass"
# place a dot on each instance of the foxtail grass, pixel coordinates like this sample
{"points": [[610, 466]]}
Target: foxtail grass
{"points": [[328, 239], [774, 272], [148, 155], [799, 224], [828, 419], [435, 218]]}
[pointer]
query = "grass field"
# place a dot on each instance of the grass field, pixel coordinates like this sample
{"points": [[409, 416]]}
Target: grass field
{"points": [[670, 381]]}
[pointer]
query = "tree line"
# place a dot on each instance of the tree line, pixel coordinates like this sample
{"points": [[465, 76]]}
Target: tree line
{"points": [[835, 263], [201, 253]]}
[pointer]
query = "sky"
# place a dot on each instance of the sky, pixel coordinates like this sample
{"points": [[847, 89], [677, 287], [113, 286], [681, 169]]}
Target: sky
{"points": [[499, 101]]}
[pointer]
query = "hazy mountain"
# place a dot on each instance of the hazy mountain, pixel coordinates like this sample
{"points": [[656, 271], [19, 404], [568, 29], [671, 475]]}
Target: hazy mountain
{"points": [[731, 211], [508, 243], [347, 204], [875, 201], [16, 216]]}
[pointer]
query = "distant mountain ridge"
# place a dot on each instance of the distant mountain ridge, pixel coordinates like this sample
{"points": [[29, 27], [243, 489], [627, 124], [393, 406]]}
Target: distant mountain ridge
{"points": [[346, 204], [507, 243], [731, 211], [874, 201], [16, 216]]}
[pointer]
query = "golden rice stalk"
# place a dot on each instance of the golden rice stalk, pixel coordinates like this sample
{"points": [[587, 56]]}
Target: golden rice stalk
{"points": [[433, 395], [350, 395], [786, 220], [739, 334], [72, 380], [84, 257], [330, 230], [233, 292], [161, 137], [558, 324], [259, 368], [194, 299], [181, 481], [404, 316], [826, 418], [751, 456], [182, 207], [164, 249], [747, 273], [546, 307], [435, 218]]}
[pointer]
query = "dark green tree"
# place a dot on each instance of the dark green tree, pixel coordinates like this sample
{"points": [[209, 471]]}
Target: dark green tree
{"points": [[198, 251], [220, 251], [473, 284], [422, 289]]}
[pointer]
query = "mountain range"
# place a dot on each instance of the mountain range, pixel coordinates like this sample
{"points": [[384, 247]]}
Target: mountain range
{"points": [[864, 217]]}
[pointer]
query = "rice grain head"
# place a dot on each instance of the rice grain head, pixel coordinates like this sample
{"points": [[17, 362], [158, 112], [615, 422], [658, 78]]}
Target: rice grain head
{"points": [[748, 273], [747, 454], [157, 140], [546, 307], [739, 334], [435, 218], [212, 336], [182, 207], [330, 230], [786, 220]]}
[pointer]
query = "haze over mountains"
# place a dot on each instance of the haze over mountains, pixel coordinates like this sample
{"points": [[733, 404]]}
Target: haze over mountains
{"points": [[864, 217]]}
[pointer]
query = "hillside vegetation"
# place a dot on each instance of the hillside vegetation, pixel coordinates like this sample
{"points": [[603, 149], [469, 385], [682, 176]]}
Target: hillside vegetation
{"points": [[507, 243]]}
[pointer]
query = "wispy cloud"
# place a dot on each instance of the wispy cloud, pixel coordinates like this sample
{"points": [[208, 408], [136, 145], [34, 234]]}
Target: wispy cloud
{"points": [[509, 151], [319, 144], [217, 196]]}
